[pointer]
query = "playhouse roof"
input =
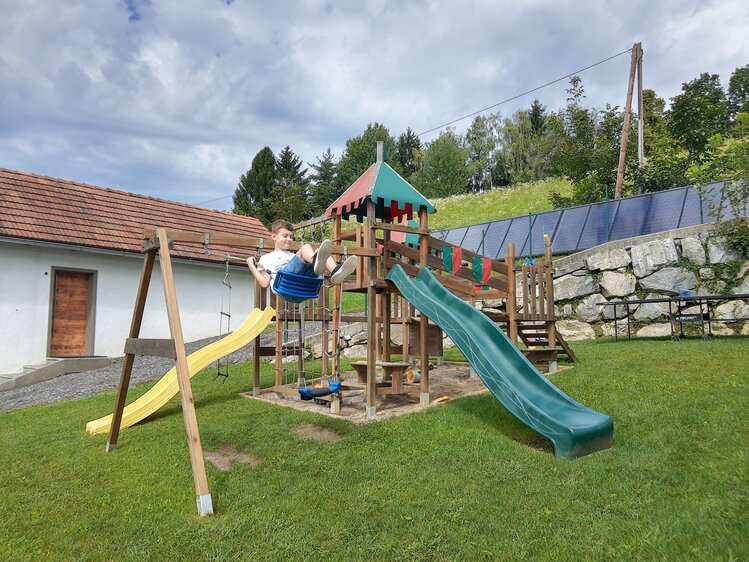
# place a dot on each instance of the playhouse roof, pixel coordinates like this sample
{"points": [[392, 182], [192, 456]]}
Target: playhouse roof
{"points": [[57, 211], [393, 196]]}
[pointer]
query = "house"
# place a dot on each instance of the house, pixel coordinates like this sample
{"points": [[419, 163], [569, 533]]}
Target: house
{"points": [[70, 265]]}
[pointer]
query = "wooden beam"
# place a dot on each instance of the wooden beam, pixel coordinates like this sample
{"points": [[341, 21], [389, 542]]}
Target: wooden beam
{"points": [[205, 504], [625, 126], [151, 347], [127, 364], [388, 227], [247, 242]]}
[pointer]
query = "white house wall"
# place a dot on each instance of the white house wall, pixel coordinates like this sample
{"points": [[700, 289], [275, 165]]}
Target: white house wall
{"points": [[26, 299]]}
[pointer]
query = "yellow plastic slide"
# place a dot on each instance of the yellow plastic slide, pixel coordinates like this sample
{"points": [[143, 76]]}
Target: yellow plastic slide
{"points": [[168, 386]]}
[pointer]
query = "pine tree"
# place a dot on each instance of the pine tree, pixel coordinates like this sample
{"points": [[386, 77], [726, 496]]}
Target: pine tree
{"points": [[255, 187], [290, 194], [406, 148], [324, 188]]}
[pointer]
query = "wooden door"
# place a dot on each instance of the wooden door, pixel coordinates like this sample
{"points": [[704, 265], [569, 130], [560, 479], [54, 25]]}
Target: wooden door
{"points": [[70, 314]]}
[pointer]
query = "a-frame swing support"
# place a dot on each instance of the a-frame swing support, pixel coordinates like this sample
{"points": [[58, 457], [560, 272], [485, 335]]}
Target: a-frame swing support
{"points": [[169, 348]]}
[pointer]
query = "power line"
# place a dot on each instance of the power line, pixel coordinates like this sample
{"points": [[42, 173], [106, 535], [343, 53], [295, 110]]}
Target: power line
{"points": [[212, 200], [525, 93]]}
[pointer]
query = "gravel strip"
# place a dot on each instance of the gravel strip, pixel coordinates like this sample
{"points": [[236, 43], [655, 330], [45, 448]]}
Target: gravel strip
{"points": [[79, 385]]}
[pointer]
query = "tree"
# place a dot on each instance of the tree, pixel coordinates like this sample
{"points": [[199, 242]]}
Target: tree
{"points": [[324, 187], [255, 187], [537, 115], [738, 93], [406, 148], [361, 152], [727, 161], [289, 169], [575, 130], [442, 169], [290, 193], [481, 142], [698, 113]]}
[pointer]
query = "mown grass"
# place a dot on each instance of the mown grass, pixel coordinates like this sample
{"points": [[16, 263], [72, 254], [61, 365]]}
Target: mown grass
{"points": [[463, 481]]}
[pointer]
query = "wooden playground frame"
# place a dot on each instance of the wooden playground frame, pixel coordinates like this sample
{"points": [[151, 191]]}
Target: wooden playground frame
{"points": [[528, 313]]}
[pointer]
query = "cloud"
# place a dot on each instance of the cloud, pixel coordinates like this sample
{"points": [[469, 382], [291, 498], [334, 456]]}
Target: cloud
{"points": [[173, 99]]}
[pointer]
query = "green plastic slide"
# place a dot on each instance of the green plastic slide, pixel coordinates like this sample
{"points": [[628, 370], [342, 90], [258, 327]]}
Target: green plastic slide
{"points": [[574, 429]]}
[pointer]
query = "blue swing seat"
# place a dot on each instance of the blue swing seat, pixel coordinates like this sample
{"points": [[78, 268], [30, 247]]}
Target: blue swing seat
{"points": [[310, 393], [294, 287]]}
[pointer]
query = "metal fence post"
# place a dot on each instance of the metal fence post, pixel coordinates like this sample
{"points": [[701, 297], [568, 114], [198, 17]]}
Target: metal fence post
{"points": [[608, 229]]}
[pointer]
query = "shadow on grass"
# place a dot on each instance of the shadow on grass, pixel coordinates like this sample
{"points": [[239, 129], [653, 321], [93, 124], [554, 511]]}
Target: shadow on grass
{"points": [[497, 418]]}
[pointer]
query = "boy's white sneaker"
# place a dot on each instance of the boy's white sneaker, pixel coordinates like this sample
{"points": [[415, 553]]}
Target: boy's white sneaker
{"points": [[343, 270], [321, 257]]}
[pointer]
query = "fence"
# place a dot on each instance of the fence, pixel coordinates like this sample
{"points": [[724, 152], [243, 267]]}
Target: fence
{"points": [[579, 228]]}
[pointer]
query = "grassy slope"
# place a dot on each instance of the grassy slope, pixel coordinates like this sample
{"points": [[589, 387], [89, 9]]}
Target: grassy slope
{"points": [[522, 199], [460, 481]]}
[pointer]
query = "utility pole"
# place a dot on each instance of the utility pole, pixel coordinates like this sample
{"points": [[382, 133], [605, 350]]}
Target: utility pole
{"points": [[634, 66]]}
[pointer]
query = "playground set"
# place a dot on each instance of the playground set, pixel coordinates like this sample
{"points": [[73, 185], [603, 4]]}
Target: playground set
{"points": [[410, 278]]}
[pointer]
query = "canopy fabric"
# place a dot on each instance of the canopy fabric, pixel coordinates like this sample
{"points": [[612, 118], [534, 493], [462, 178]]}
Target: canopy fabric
{"points": [[393, 196]]}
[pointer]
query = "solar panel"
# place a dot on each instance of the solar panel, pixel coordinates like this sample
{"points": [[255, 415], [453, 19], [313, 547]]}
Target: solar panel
{"points": [[664, 211], [569, 230], [629, 217], [595, 231]]}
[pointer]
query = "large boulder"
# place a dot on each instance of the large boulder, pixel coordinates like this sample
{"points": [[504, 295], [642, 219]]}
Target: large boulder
{"points": [[692, 249], [654, 331], [355, 351], [621, 310], [719, 252], [734, 310], [613, 259], [651, 256], [575, 330], [613, 329], [617, 284], [669, 280], [573, 287], [742, 289], [588, 308], [651, 310], [721, 330]]}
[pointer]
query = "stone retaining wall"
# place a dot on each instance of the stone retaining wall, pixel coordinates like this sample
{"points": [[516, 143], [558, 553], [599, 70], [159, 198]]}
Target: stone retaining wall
{"points": [[695, 259]]}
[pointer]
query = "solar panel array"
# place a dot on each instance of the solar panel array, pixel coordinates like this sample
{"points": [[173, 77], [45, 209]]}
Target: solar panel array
{"points": [[579, 228]]}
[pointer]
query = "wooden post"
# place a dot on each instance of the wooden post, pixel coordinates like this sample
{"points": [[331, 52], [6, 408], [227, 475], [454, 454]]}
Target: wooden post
{"points": [[259, 293], [625, 126], [337, 299], [280, 319], [127, 364], [552, 328], [387, 305], [512, 315], [424, 321], [369, 242], [204, 502]]}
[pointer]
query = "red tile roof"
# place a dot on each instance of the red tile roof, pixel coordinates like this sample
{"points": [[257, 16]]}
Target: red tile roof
{"points": [[48, 209]]}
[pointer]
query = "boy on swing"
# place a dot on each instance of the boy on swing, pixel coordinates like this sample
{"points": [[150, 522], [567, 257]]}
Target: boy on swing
{"points": [[306, 261]]}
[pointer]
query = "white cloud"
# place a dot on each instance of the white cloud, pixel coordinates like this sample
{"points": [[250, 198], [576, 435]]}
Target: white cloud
{"points": [[173, 99]]}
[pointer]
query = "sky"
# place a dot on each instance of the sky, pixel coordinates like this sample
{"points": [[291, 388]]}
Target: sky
{"points": [[173, 98]]}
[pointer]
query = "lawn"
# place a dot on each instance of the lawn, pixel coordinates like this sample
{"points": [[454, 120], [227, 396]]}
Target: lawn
{"points": [[462, 481]]}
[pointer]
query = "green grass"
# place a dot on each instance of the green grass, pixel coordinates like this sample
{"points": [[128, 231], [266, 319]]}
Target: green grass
{"points": [[502, 203], [463, 481]]}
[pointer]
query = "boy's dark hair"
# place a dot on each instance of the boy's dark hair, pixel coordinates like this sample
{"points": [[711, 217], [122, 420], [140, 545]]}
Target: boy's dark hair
{"points": [[279, 224]]}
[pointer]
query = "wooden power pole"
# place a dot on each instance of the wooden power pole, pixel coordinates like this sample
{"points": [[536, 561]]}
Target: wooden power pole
{"points": [[635, 68]]}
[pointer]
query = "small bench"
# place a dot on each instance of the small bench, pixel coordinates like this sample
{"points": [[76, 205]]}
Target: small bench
{"points": [[394, 370], [361, 370]]}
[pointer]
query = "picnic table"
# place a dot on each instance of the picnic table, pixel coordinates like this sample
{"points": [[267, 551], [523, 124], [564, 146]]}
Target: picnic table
{"points": [[676, 315]]}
